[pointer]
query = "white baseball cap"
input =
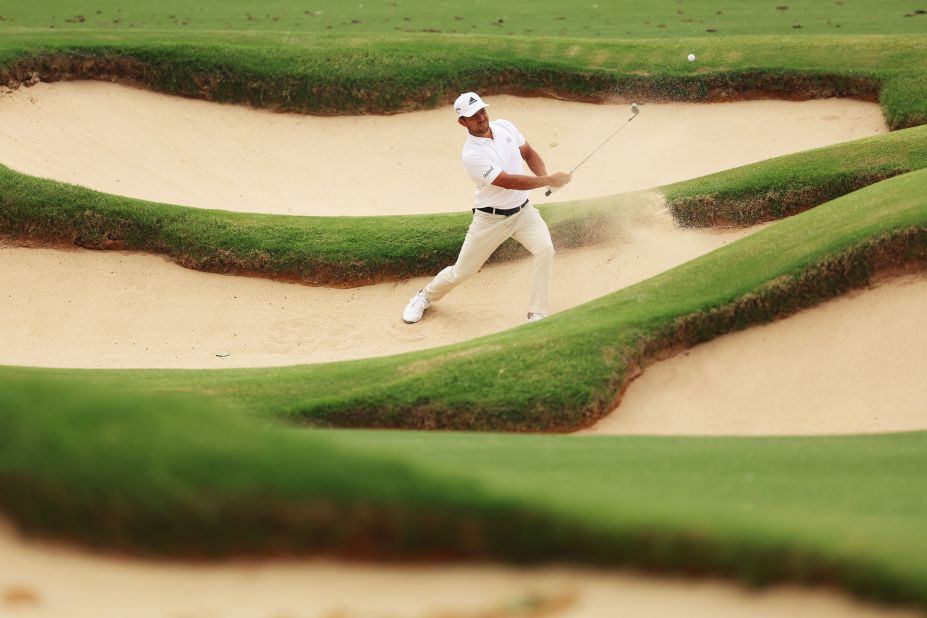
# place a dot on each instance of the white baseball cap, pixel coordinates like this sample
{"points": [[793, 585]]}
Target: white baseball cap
{"points": [[468, 104]]}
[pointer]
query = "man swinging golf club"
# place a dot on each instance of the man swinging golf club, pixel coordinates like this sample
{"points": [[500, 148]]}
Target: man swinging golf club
{"points": [[492, 157]]}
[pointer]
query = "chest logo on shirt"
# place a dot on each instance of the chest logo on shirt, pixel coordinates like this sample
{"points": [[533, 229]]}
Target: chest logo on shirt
{"points": [[508, 139]]}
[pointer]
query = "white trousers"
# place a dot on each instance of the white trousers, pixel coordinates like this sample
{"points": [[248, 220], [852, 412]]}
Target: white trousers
{"points": [[486, 233]]}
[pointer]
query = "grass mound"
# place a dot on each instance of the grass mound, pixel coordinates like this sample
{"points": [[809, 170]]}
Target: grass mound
{"points": [[351, 251], [331, 74], [170, 476], [781, 187]]}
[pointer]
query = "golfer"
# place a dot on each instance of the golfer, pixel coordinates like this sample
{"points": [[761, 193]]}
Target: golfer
{"points": [[492, 157]]}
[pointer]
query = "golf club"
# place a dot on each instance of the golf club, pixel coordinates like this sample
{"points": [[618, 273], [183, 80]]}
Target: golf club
{"points": [[635, 110]]}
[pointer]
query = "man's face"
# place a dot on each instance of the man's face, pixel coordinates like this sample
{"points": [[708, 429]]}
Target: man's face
{"points": [[477, 124]]}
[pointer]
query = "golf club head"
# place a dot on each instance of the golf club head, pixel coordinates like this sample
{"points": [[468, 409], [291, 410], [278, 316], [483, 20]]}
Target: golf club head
{"points": [[635, 109]]}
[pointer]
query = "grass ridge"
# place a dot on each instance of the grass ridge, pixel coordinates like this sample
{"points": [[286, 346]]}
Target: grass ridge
{"points": [[284, 492], [188, 71], [784, 186], [324, 75], [351, 251], [904, 250]]}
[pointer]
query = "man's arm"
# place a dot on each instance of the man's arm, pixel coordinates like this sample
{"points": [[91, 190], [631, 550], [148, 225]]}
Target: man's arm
{"points": [[524, 182], [533, 159]]}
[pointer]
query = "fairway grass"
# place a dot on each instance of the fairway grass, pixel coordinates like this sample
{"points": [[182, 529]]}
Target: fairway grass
{"points": [[537, 18]]}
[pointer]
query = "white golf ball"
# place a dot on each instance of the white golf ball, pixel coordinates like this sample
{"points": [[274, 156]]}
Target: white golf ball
{"points": [[691, 57]]}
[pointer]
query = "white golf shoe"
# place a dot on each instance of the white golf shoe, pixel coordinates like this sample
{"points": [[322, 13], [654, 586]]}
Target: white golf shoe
{"points": [[534, 317], [416, 308]]}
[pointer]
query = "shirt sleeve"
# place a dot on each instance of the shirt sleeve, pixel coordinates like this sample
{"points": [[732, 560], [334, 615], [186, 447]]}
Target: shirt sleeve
{"points": [[481, 169], [519, 138]]}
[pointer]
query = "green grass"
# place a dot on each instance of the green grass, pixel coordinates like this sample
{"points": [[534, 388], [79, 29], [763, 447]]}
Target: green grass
{"points": [[784, 186], [315, 249], [333, 74], [358, 250], [607, 19], [175, 477]]}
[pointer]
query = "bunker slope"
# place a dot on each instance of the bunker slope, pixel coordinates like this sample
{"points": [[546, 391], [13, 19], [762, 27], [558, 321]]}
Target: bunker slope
{"points": [[855, 364], [157, 147], [39, 579], [82, 308]]}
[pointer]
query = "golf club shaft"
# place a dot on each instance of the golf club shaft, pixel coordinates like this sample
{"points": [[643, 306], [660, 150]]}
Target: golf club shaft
{"points": [[551, 189]]}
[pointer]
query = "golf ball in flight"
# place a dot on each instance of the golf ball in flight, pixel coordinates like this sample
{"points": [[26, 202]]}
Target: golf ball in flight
{"points": [[691, 57]]}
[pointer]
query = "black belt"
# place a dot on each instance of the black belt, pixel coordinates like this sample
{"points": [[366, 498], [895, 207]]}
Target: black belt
{"points": [[508, 212]]}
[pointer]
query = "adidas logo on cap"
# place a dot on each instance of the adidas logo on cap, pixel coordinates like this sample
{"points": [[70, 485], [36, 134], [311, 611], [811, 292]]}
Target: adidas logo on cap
{"points": [[468, 104]]}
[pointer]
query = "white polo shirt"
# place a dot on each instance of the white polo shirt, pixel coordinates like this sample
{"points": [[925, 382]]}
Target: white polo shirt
{"points": [[485, 158]]}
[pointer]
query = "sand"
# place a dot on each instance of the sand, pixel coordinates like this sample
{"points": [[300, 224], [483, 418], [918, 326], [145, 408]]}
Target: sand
{"points": [[43, 580], [157, 147], [82, 308], [857, 364]]}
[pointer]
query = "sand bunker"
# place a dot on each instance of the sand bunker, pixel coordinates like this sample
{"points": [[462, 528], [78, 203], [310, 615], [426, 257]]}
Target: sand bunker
{"points": [[852, 365], [168, 149], [89, 309], [41, 580], [82, 308]]}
